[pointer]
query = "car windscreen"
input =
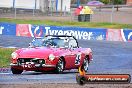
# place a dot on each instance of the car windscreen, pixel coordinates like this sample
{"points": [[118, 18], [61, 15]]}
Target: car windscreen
{"points": [[37, 42], [55, 42]]}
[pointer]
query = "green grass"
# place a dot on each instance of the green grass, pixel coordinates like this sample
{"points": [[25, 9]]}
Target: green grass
{"points": [[5, 57], [68, 23]]}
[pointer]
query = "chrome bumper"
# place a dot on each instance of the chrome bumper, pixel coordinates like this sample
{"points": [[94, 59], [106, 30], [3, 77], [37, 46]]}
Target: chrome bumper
{"points": [[14, 64], [36, 65]]}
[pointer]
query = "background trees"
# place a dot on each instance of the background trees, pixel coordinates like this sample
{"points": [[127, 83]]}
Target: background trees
{"points": [[117, 3], [105, 1]]}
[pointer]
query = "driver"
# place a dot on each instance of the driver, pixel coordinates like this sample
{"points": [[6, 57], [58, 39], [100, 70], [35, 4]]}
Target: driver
{"points": [[49, 43]]}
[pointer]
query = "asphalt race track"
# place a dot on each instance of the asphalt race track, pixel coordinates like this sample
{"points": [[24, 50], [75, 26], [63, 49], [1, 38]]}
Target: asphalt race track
{"points": [[109, 57]]}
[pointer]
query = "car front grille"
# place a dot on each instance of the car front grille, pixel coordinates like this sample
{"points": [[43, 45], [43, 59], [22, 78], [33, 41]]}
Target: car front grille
{"points": [[36, 61]]}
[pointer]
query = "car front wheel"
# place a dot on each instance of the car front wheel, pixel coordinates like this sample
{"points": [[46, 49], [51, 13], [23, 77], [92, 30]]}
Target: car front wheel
{"points": [[86, 64], [60, 66], [16, 71]]}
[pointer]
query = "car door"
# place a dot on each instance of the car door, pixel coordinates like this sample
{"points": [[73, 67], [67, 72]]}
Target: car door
{"points": [[78, 57], [69, 58], [73, 58]]}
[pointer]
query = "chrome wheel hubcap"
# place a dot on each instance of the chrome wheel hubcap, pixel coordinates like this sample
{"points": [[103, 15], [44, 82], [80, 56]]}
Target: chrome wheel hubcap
{"points": [[60, 66], [86, 64]]}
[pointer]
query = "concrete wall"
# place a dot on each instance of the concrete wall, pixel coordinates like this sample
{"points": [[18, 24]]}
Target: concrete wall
{"points": [[55, 5], [43, 5], [64, 5], [6, 3], [28, 4]]}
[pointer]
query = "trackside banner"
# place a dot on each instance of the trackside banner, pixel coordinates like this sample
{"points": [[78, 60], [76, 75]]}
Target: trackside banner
{"points": [[40, 31], [7, 29], [79, 33], [29, 30], [126, 34], [119, 35]]}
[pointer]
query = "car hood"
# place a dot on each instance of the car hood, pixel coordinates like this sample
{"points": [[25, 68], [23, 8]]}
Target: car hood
{"points": [[38, 52]]}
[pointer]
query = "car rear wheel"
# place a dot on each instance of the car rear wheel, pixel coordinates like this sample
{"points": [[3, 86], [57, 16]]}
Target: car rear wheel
{"points": [[16, 71], [60, 66], [86, 64]]}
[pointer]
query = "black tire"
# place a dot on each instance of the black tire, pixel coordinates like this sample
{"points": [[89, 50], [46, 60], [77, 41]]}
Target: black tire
{"points": [[16, 71], [60, 66], [85, 64]]}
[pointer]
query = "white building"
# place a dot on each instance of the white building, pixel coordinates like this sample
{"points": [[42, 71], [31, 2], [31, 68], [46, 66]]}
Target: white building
{"points": [[43, 5]]}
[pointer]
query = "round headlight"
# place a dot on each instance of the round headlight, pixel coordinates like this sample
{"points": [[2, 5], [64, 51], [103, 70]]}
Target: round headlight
{"points": [[14, 55], [51, 57]]}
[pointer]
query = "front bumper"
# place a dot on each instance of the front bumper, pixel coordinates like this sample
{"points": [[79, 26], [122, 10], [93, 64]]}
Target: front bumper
{"points": [[38, 65], [33, 65]]}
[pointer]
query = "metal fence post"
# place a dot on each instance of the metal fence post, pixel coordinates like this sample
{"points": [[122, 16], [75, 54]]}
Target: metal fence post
{"points": [[34, 8], [14, 7], [15, 12], [112, 12]]}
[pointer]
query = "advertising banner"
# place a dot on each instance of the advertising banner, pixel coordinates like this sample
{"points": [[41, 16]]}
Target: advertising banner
{"points": [[7, 29], [126, 34], [30, 30], [78, 32], [114, 35]]}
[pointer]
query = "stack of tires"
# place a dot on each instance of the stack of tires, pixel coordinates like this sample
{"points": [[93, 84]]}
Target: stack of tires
{"points": [[84, 18]]}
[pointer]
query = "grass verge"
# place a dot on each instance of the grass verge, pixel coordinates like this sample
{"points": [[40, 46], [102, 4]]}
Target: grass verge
{"points": [[5, 56], [67, 23]]}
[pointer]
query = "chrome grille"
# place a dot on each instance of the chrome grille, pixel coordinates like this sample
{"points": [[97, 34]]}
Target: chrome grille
{"points": [[36, 61]]}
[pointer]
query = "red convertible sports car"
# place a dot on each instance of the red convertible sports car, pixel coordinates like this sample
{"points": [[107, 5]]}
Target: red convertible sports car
{"points": [[51, 53]]}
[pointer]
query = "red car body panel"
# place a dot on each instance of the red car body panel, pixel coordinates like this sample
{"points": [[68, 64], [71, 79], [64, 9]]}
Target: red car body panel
{"points": [[69, 56], [43, 53]]}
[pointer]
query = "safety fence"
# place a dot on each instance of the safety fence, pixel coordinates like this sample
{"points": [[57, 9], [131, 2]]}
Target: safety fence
{"points": [[30, 30]]}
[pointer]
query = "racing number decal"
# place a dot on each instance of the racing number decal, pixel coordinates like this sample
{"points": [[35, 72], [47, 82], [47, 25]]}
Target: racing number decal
{"points": [[78, 59]]}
